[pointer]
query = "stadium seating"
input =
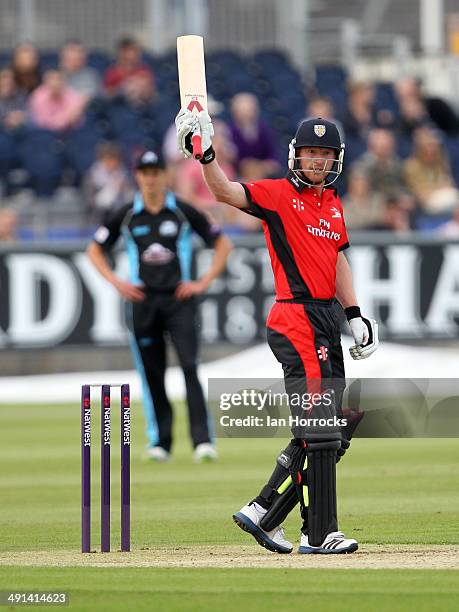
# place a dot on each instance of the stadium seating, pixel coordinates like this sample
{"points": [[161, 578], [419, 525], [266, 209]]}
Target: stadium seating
{"points": [[7, 151], [452, 148], [79, 149], [41, 156], [267, 73]]}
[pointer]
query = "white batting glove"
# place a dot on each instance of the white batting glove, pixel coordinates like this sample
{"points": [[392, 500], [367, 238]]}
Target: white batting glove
{"points": [[364, 332], [187, 124], [207, 130]]}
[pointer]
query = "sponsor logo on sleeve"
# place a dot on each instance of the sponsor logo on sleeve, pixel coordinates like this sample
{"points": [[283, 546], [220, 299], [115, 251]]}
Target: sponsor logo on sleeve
{"points": [[168, 228], [141, 230], [336, 214], [101, 234]]}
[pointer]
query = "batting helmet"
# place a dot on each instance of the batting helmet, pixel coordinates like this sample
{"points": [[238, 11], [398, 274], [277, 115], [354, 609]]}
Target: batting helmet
{"points": [[318, 133]]}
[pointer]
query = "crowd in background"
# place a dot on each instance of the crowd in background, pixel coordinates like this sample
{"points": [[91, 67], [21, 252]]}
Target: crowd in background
{"points": [[399, 174]]}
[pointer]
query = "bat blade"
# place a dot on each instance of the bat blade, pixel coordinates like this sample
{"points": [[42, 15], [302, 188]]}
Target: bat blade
{"points": [[192, 80]]}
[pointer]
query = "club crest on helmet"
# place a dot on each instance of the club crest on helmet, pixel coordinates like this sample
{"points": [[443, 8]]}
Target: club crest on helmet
{"points": [[319, 130]]}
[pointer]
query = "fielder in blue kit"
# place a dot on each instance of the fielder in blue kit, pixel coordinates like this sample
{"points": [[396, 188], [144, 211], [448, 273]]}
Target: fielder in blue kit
{"points": [[157, 228]]}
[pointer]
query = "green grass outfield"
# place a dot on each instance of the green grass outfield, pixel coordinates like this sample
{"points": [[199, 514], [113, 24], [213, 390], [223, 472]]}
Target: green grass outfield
{"points": [[399, 498]]}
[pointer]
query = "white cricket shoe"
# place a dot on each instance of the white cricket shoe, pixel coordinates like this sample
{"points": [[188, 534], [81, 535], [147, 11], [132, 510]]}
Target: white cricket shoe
{"points": [[248, 518], [158, 454], [205, 453], [335, 543]]}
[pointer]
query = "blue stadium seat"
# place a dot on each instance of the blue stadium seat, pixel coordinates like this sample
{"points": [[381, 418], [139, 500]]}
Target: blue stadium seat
{"points": [[151, 61], [429, 223], [80, 147], [355, 147], [227, 58], [99, 60], [41, 155], [49, 60], [452, 149], [7, 152], [385, 99], [5, 58], [404, 146], [329, 77], [270, 60], [240, 81], [331, 82], [218, 87], [292, 102], [286, 82]]}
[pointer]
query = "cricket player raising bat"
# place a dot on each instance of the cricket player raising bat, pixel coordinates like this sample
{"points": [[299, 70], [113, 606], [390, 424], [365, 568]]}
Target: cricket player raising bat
{"points": [[304, 227]]}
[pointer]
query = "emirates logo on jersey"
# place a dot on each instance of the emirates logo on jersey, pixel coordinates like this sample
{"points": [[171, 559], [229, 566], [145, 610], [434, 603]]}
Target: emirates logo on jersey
{"points": [[323, 231], [322, 352]]}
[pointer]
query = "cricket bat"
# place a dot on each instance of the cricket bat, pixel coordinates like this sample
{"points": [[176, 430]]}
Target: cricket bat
{"points": [[192, 80]]}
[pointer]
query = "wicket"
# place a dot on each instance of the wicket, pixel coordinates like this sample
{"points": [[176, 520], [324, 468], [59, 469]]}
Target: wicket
{"points": [[105, 444]]}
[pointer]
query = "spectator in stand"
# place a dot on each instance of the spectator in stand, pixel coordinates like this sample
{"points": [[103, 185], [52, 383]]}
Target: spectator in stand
{"points": [[55, 106], [359, 117], [395, 217], [413, 111], [8, 225], [128, 64], [450, 229], [417, 110], [363, 207], [381, 164], [13, 103], [253, 138], [193, 188], [138, 92], [77, 74], [26, 67], [107, 184], [428, 174], [321, 106]]}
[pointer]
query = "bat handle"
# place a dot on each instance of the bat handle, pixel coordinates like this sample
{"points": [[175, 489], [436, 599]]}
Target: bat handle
{"points": [[197, 146]]}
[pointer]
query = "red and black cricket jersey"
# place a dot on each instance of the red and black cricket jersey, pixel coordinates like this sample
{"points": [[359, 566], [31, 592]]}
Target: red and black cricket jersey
{"points": [[304, 233]]}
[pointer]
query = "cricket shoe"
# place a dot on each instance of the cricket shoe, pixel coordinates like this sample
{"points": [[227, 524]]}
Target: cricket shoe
{"points": [[158, 454], [205, 453], [334, 544], [249, 517]]}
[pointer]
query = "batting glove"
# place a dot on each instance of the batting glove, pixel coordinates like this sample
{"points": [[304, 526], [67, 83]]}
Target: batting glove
{"points": [[364, 332], [187, 124], [207, 132]]}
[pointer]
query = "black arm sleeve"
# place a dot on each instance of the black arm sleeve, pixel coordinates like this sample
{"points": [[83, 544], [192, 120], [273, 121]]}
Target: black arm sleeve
{"points": [[108, 233], [209, 232]]}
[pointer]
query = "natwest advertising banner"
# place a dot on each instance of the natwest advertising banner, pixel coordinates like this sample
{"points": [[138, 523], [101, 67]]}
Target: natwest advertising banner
{"points": [[52, 295]]}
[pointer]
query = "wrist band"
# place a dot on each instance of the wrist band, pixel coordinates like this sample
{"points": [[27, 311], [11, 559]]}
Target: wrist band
{"points": [[353, 312], [208, 156]]}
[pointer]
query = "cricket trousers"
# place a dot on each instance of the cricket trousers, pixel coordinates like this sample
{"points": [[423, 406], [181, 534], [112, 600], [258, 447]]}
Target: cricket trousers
{"points": [[305, 337], [151, 320]]}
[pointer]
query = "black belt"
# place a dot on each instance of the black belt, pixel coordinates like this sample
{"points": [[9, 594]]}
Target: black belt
{"points": [[308, 300]]}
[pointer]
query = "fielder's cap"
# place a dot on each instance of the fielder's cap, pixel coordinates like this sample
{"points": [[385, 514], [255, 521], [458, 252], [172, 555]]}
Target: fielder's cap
{"points": [[150, 159]]}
